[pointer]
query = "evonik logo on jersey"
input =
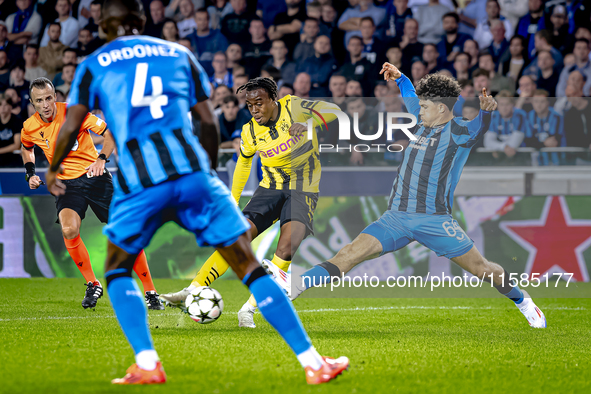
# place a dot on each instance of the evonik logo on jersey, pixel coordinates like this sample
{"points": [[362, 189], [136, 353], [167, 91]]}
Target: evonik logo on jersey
{"points": [[344, 123]]}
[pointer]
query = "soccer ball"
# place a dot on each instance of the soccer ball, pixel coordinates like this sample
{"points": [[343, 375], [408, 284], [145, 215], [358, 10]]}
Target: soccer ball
{"points": [[204, 305]]}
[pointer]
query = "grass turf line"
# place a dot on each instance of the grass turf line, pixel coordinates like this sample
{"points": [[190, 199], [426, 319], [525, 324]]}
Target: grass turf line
{"points": [[50, 344]]}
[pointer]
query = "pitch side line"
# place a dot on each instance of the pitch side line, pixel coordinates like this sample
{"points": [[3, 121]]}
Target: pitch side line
{"points": [[384, 308]]}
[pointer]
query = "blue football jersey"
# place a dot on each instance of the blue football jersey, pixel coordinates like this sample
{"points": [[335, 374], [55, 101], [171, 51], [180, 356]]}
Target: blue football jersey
{"points": [[146, 87]]}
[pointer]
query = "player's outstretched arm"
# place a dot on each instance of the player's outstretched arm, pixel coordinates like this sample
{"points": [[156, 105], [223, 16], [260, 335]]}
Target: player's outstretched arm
{"points": [[240, 176], [480, 125], [210, 130], [407, 89], [65, 142]]}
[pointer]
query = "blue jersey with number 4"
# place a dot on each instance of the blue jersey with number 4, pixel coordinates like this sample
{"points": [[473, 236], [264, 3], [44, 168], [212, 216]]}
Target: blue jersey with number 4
{"points": [[145, 87]]}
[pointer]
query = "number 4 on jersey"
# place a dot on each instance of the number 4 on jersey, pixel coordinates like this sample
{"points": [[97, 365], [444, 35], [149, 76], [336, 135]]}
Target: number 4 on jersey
{"points": [[155, 101]]}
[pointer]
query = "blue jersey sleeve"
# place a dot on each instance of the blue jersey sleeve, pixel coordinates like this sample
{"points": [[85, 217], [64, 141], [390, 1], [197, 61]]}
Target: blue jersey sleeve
{"points": [[81, 88], [475, 129], [200, 89], [411, 101]]}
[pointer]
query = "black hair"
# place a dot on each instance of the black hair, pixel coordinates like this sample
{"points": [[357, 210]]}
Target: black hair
{"points": [[586, 41], [439, 88], [230, 98], [273, 71], [69, 50], [479, 72], [54, 24], [40, 83], [472, 103], [367, 18], [465, 54], [267, 84], [34, 46], [452, 15]]}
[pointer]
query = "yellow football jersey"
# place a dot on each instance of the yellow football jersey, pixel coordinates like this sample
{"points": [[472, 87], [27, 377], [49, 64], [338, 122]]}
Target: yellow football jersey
{"points": [[289, 162]]}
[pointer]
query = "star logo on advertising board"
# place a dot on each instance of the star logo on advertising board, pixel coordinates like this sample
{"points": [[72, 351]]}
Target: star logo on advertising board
{"points": [[555, 242]]}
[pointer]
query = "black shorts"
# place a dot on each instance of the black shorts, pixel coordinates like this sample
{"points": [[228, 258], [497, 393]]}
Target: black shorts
{"points": [[82, 192], [267, 206]]}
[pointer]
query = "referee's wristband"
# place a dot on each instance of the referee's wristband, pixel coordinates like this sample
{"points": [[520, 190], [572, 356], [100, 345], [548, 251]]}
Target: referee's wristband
{"points": [[30, 168], [102, 156]]}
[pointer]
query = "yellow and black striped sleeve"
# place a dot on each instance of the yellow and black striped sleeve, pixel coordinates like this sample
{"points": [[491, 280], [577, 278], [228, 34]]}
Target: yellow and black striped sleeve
{"points": [[302, 110], [248, 141]]}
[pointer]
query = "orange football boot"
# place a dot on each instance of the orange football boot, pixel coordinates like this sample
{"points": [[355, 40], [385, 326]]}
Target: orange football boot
{"points": [[330, 369], [136, 375]]}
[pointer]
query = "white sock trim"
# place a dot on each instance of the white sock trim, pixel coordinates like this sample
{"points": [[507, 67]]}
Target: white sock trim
{"points": [[310, 358], [191, 287], [147, 359], [248, 307]]}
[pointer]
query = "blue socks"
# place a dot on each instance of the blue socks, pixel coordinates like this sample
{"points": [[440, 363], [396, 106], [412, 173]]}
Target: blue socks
{"points": [[130, 309], [315, 276], [515, 295], [277, 309]]}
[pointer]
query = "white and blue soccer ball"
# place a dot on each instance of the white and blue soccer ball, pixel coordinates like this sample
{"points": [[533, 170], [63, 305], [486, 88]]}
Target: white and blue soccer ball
{"points": [[204, 305]]}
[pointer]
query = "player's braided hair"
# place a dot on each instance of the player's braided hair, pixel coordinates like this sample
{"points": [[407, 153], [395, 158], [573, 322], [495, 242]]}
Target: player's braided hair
{"points": [[266, 84], [439, 88]]}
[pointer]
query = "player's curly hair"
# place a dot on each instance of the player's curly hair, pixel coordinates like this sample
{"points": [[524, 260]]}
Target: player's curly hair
{"points": [[267, 84], [439, 88]]}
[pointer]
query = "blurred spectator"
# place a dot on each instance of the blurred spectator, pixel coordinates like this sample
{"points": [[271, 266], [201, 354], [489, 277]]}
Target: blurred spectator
{"points": [[562, 40], [527, 86], [170, 32], [7, 7], [23, 27], [542, 43], [235, 25], [409, 44], [350, 20], [482, 34], [507, 126], [497, 81], [280, 62], [271, 72], [577, 120], [69, 25], [337, 86], [284, 90], [569, 60], [431, 58], [156, 22], [513, 10], [50, 56], [217, 12], [430, 18], [528, 24], [4, 70], [257, 52], [353, 88], [32, 69], [268, 10], [173, 9], [305, 48], [16, 103], [582, 64], [356, 108], [578, 14], [302, 85], [83, 14], [18, 82], [499, 43], [187, 44], [239, 80], [467, 89], [453, 42], [67, 76], [328, 22], [394, 56], [481, 79], [84, 47], [418, 70], [545, 126], [397, 12], [287, 25], [546, 76], [4, 43], [187, 25], [206, 42], [373, 48], [470, 15], [471, 47], [445, 72], [470, 109], [234, 56], [95, 16], [461, 66], [218, 96], [514, 61], [231, 121], [357, 67], [319, 67], [221, 75], [10, 134], [69, 56]]}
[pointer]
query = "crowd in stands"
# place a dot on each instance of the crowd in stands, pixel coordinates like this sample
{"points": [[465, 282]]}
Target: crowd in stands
{"points": [[534, 55]]}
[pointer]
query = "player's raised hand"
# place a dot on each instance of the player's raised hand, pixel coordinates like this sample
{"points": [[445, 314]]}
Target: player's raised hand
{"points": [[487, 103], [54, 185], [297, 129], [35, 182], [390, 72]]}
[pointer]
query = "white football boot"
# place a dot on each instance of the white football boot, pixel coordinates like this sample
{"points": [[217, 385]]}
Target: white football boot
{"points": [[535, 317], [246, 319], [282, 278], [176, 300]]}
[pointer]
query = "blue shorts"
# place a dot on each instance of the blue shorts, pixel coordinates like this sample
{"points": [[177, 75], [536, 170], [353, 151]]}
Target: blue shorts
{"points": [[440, 233], [198, 202]]}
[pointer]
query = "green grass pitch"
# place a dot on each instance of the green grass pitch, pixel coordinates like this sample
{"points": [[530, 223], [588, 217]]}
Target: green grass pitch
{"points": [[49, 344]]}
